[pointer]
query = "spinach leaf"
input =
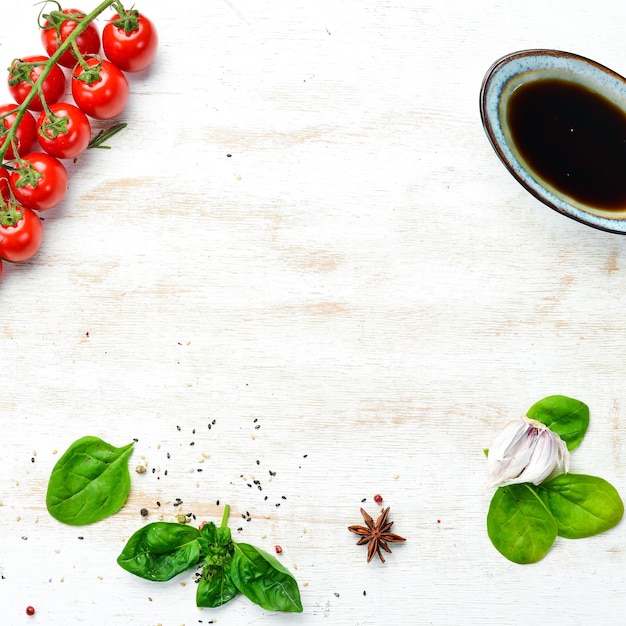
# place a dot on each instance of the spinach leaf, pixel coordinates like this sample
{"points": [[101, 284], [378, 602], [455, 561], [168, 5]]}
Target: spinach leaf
{"points": [[215, 586], [161, 550], [89, 482], [520, 525], [582, 505], [264, 580], [567, 417]]}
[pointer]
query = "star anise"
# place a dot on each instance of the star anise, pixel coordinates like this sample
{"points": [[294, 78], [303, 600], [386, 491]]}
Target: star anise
{"points": [[376, 534]]}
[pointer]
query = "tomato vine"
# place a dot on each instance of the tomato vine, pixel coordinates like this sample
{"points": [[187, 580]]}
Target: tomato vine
{"points": [[36, 181], [49, 65]]}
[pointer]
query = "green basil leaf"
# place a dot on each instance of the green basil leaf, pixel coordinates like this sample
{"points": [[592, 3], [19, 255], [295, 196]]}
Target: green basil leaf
{"points": [[161, 550], [264, 580], [89, 482], [216, 586], [519, 524], [565, 416], [215, 540], [582, 505]]}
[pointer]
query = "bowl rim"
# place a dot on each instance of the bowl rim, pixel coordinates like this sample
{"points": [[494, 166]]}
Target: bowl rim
{"points": [[512, 164]]}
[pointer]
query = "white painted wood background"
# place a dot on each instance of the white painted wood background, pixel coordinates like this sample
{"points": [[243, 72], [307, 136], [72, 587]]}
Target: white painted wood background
{"points": [[304, 235]]}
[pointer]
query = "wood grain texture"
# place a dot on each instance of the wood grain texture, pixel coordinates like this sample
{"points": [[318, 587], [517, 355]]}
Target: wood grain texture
{"points": [[304, 240]]}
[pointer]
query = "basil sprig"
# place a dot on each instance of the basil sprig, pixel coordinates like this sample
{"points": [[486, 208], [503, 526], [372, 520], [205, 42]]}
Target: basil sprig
{"points": [[89, 482], [161, 550], [524, 520]]}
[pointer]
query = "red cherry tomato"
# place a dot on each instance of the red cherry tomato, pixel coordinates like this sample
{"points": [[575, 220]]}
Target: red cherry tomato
{"points": [[39, 192], [21, 239], [130, 42], [67, 134], [22, 77], [56, 30], [25, 133], [106, 96]]}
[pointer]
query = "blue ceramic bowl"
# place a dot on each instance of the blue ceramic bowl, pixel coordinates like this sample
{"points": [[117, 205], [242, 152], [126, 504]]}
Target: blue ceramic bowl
{"points": [[513, 70]]}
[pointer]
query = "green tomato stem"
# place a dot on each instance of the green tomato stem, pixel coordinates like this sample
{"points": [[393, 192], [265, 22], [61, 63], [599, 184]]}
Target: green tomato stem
{"points": [[65, 45], [225, 516], [79, 57], [10, 214]]}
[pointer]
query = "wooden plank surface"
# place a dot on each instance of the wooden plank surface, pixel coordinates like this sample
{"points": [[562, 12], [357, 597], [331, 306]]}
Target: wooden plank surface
{"points": [[304, 241]]}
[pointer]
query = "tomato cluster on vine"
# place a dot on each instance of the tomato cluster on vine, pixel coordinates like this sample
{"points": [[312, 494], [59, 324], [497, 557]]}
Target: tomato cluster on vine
{"points": [[41, 129]]}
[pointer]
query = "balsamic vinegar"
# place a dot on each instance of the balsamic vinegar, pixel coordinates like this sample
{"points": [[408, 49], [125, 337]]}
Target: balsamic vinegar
{"points": [[573, 138]]}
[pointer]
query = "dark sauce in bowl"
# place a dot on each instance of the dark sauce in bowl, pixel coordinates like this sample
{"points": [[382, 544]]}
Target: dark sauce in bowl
{"points": [[572, 138]]}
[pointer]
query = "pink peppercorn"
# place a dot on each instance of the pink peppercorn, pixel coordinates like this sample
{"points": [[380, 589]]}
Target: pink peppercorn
{"points": [[378, 499], [278, 549], [30, 610]]}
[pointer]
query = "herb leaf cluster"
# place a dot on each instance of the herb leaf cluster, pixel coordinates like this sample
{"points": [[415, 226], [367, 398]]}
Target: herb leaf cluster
{"points": [[91, 481], [161, 550], [524, 520]]}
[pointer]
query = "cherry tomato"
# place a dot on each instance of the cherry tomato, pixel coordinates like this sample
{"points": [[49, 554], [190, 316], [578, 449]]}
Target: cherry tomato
{"points": [[67, 134], [25, 133], [20, 240], [45, 191], [56, 30], [53, 86], [130, 42], [106, 96]]}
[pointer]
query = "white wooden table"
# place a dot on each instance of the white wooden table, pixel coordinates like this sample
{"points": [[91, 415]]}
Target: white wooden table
{"points": [[304, 240]]}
